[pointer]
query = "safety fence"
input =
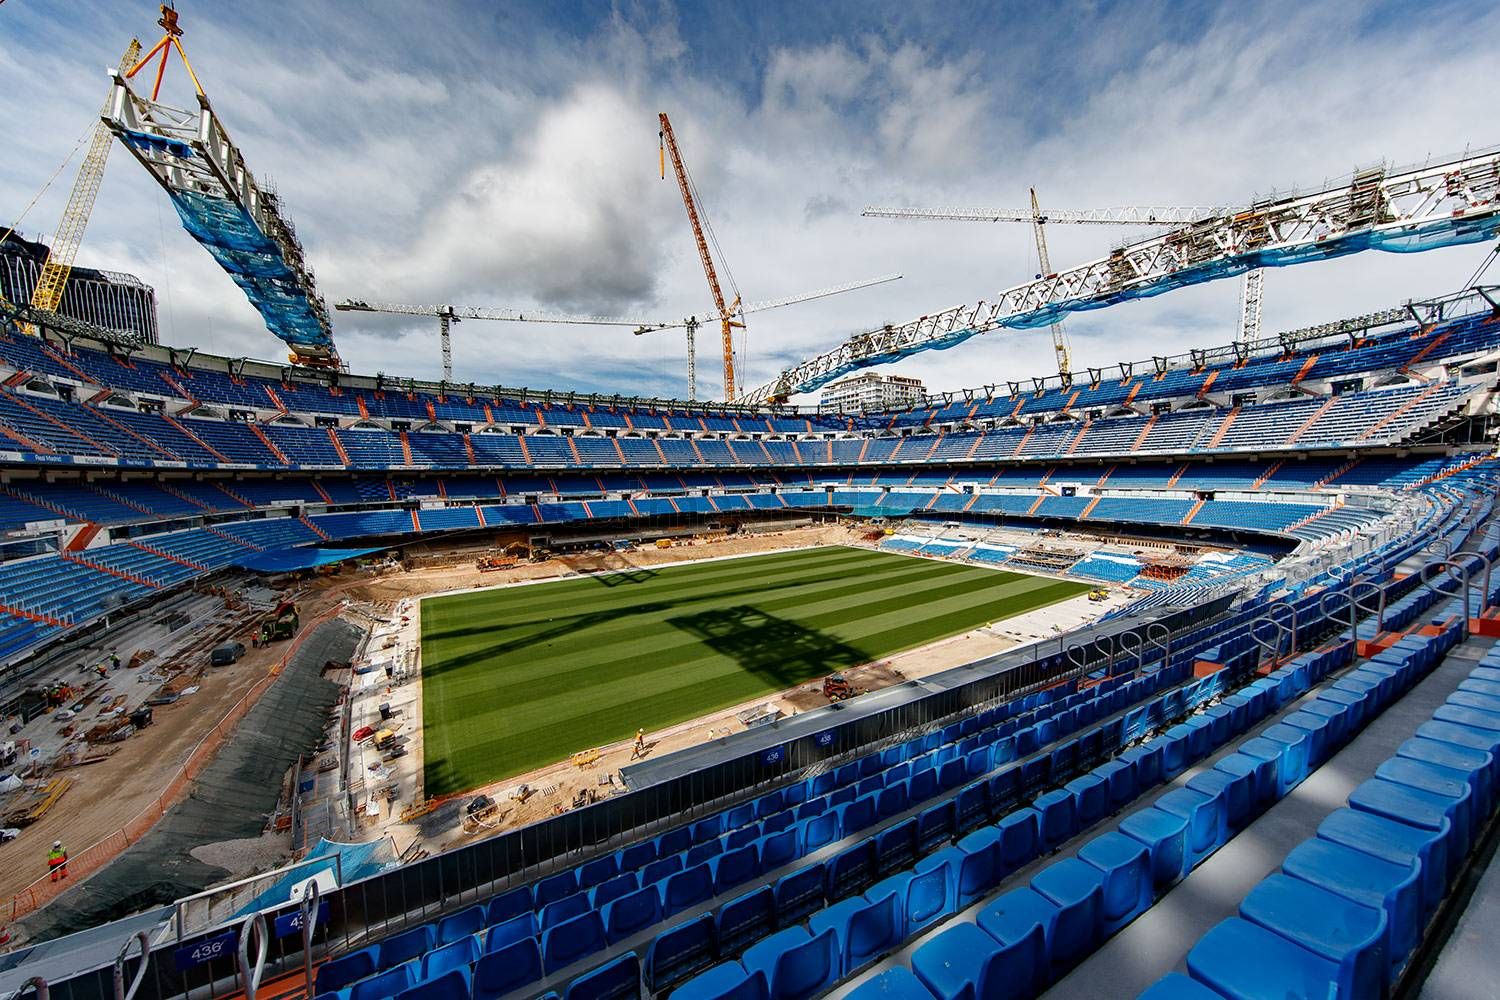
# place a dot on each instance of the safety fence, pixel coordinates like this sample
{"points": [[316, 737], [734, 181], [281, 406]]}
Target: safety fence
{"points": [[100, 853]]}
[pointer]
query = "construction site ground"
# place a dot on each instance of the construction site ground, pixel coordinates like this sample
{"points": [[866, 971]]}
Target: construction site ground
{"points": [[216, 832], [131, 774], [553, 788], [123, 778]]}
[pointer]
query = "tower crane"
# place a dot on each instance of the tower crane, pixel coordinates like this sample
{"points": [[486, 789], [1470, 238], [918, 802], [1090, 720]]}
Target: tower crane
{"points": [[53, 281], [1129, 215], [726, 314], [447, 315]]}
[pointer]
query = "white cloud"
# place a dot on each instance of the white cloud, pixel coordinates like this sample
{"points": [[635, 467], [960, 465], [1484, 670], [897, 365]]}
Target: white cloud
{"points": [[477, 156]]}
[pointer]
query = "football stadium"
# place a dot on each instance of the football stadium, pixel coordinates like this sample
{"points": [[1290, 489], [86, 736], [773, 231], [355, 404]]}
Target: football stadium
{"points": [[1161, 661]]}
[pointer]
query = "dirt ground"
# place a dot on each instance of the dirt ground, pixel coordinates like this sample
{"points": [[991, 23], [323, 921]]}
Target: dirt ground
{"points": [[107, 795]]}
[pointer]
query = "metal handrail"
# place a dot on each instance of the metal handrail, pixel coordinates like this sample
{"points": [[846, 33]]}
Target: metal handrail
{"points": [[1281, 634], [43, 991], [311, 897], [1165, 644], [121, 992], [1286, 606], [1449, 568], [253, 926]]}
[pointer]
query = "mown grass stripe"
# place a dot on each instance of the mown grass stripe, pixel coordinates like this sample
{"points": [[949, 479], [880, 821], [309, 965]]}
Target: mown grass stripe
{"points": [[506, 690]]}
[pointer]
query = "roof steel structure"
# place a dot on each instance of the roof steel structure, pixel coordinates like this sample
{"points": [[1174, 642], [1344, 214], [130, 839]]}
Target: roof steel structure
{"points": [[189, 153], [1404, 210]]}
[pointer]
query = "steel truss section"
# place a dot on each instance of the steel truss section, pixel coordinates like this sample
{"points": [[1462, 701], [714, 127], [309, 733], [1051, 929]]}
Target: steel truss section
{"points": [[1404, 210], [1143, 215], [191, 156]]}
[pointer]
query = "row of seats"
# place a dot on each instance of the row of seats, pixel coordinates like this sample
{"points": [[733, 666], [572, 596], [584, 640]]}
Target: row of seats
{"points": [[1390, 351], [1030, 936], [1350, 904], [50, 425], [812, 890], [580, 910], [117, 501]]}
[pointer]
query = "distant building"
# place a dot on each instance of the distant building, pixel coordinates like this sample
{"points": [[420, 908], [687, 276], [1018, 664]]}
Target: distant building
{"points": [[871, 391], [107, 299]]}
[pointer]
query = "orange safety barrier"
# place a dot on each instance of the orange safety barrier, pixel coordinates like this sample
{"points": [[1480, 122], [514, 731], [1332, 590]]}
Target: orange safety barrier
{"points": [[102, 852]]}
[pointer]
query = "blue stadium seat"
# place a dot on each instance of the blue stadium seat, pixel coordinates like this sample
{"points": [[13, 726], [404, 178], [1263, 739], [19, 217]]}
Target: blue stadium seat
{"points": [[617, 979], [799, 893], [451, 985], [1207, 816], [406, 946], [686, 889], [572, 940], [963, 962], [1364, 879], [507, 969], [337, 973], [745, 919], [572, 906], [1239, 960], [796, 964], [385, 984], [1022, 921], [631, 913], [1175, 986], [1346, 933], [1165, 836], [727, 981], [680, 952], [896, 983], [1125, 864], [1077, 890], [458, 954], [510, 931], [864, 927]]}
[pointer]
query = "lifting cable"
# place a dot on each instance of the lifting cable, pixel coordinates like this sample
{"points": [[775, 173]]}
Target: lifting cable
{"points": [[38, 197]]}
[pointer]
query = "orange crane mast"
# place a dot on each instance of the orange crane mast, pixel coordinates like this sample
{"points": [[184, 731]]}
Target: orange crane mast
{"points": [[668, 147]]}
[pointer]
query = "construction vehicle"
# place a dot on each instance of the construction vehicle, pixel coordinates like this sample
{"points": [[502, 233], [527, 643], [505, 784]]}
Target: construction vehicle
{"points": [[480, 813], [280, 624], [1099, 594], [836, 687]]}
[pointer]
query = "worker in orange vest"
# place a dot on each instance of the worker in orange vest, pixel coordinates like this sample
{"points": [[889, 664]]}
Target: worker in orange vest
{"points": [[57, 861]]}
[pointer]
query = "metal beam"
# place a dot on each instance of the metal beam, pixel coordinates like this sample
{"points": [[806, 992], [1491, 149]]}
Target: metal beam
{"points": [[1439, 204]]}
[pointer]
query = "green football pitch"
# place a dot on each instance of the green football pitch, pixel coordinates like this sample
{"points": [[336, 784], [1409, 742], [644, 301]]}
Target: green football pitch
{"points": [[515, 678]]}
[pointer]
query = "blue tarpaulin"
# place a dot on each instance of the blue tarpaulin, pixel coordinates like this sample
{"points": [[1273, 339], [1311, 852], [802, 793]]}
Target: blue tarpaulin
{"points": [[302, 557], [351, 861]]}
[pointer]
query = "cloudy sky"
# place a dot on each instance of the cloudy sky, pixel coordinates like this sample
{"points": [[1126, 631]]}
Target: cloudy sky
{"points": [[505, 154]]}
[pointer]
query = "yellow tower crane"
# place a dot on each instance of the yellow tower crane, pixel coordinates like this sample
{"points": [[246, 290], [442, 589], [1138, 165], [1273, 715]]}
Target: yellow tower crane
{"points": [[727, 313], [53, 280]]}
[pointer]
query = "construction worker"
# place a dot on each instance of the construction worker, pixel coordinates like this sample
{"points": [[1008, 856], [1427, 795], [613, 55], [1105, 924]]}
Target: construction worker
{"points": [[57, 861], [640, 744], [114, 660]]}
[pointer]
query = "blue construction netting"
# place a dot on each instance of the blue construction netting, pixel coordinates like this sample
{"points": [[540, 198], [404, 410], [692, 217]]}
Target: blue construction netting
{"points": [[1431, 236], [351, 862], [301, 557], [256, 264]]}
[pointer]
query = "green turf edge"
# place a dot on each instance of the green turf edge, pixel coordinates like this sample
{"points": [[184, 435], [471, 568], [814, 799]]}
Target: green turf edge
{"points": [[463, 775]]}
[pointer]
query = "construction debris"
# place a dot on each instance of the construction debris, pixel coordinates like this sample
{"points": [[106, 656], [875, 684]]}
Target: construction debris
{"points": [[37, 802]]}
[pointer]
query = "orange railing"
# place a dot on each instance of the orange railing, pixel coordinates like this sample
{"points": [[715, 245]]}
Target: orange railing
{"points": [[102, 852]]}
